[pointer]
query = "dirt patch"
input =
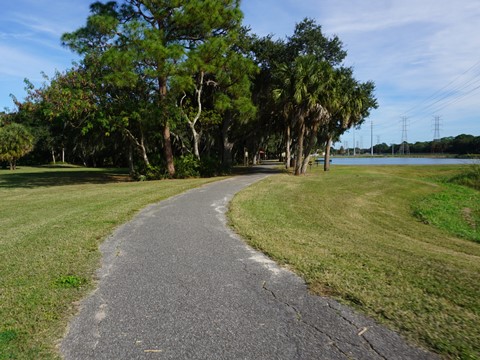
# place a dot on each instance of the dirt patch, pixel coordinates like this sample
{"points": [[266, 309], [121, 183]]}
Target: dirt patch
{"points": [[468, 216]]}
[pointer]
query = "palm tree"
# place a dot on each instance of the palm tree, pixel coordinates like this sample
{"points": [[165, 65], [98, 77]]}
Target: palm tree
{"points": [[283, 96], [349, 104], [304, 85]]}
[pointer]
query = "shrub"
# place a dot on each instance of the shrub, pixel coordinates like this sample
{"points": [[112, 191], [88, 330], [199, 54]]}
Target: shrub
{"points": [[187, 166], [470, 177], [210, 167]]}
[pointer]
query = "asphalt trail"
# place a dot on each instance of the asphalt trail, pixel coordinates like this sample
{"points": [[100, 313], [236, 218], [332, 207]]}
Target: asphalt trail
{"points": [[176, 283]]}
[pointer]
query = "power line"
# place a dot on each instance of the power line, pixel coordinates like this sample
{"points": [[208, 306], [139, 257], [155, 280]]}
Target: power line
{"points": [[441, 95]]}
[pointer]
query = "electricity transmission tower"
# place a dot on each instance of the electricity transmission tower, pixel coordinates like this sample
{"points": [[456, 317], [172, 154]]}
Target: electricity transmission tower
{"points": [[436, 132], [404, 147]]}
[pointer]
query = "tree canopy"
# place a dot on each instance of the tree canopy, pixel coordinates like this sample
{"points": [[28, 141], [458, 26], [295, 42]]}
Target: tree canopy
{"points": [[15, 142], [167, 85]]}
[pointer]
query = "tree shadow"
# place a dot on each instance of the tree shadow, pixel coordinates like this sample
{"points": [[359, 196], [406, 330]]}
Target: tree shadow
{"points": [[266, 167], [59, 177]]}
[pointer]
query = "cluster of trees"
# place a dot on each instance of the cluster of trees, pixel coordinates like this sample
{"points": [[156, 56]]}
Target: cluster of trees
{"points": [[456, 145], [462, 145], [167, 87]]}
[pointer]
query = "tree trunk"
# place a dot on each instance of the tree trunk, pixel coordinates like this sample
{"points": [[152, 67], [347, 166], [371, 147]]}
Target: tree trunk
{"points": [[312, 140], [63, 155], [53, 157], [143, 149], [130, 159], [196, 140], [288, 144], [167, 141], [192, 122], [168, 150], [306, 160], [227, 145], [326, 164], [299, 152]]}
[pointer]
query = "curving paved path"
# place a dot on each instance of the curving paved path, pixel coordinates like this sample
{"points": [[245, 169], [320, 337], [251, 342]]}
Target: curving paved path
{"points": [[176, 283]]}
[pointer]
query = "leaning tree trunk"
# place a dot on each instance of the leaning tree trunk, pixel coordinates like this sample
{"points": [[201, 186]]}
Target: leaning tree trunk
{"points": [[143, 149], [139, 144], [312, 140], [326, 164], [196, 140]]}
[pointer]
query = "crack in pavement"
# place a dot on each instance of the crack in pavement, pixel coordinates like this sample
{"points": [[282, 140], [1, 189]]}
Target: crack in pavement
{"points": [[299, 318], [362, 330]]}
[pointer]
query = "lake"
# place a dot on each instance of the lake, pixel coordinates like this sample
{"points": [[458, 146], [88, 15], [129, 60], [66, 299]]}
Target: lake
{"points": [[400, 161]]}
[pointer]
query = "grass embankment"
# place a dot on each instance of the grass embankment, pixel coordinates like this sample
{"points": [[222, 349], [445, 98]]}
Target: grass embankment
{"points": [[352, 234], [51, 223]]}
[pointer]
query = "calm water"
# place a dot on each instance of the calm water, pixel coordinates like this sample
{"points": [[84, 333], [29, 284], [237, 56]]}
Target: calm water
{"points": [[400, 161]]}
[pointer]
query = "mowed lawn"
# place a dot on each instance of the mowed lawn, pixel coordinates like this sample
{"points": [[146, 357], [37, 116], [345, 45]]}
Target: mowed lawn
{"points": [[51, 224], [362, 235]]}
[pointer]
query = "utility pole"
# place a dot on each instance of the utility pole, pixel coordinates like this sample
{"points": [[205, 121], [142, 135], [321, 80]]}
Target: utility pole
{"points": [[371, 138], [354, 149]]}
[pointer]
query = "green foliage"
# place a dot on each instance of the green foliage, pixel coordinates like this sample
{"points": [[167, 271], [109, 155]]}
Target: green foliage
{"points": [[456, 208], [154, 172], [211, 166], [158, 62], [69, 281], [7, 336], [15, 142], [469, 177], [187, 166]]}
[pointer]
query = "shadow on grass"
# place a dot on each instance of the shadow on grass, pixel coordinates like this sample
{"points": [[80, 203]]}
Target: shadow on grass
{"points": [[46, 177]]}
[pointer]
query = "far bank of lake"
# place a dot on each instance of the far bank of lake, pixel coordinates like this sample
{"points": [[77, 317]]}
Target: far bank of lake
{"points": [[340, 160]]}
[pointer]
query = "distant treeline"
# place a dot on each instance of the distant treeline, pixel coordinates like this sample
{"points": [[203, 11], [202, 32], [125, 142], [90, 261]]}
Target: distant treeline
{"points": [[459, 145]]}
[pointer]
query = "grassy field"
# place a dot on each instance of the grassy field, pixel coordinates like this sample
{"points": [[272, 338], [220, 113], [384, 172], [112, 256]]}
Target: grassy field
{"points": [[398, 243], [51, 223]]}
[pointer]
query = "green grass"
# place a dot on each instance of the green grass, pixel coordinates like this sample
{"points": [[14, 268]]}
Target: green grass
{"points": [[51, 223], [352, 234], [469, 177]]}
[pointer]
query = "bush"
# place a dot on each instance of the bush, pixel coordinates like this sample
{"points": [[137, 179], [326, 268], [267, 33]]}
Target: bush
{"points": [[149, 172], [210, 167], [187, 166], [470, 177]]}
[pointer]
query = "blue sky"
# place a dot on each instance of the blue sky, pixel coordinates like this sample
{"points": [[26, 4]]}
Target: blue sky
{"points": [[423, 55]]}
